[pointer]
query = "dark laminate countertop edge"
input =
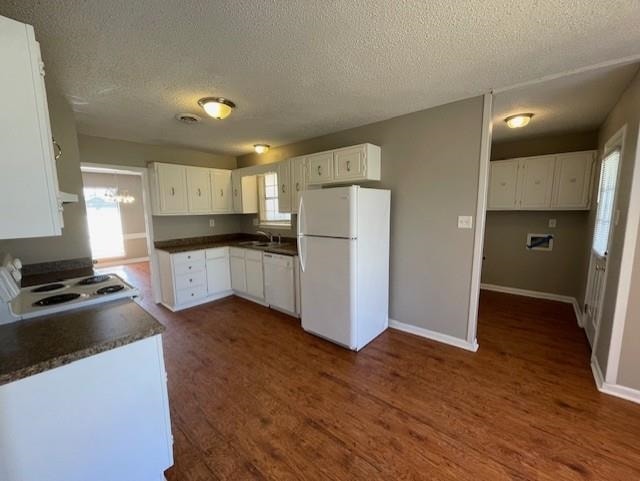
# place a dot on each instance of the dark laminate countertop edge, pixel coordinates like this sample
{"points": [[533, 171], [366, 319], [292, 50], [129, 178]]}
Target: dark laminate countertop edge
{"points": [[74, 356], [292, 251]]}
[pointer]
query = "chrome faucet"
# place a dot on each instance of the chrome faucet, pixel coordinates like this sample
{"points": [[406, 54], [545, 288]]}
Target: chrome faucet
{"points": [[266, 234]]}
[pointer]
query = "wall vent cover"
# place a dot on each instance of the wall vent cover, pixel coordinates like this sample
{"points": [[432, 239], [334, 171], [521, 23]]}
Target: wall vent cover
{"points": [[188, 118]]}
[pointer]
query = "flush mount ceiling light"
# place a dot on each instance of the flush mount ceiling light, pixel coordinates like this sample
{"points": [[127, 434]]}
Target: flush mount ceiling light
{"points": [[518, 120], [261, 148], [217, 107]]}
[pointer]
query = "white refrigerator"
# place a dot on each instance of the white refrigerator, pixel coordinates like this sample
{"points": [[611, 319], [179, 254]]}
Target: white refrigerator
{"points": [[343, 244]]}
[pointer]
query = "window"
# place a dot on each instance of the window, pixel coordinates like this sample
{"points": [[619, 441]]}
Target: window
{"points": [[268, 190], [105, 224], [606, 198]]}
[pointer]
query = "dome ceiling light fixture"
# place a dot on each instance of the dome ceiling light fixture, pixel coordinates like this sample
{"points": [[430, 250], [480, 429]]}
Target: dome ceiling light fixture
{"points": [[217, 107], [261, 148], [518, 120]]}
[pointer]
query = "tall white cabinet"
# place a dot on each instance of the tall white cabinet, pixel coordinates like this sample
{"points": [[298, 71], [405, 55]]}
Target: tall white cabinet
{"points": [[31, 204], [547, 182]]}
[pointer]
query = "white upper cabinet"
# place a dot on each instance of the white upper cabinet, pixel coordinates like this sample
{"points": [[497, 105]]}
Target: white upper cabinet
{"points": [[284, 186], [547, 182], [573, 180], [502, 184], [535, 182], [320, 168], [244, 192], [169, 185], [298, 181], [30, 206], [198, 190], [221, 191], [350, 163]]}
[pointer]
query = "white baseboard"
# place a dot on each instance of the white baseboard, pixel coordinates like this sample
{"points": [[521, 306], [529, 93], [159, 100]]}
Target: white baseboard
{"points": [[197, 302], [538, 295], [121, 262], [433, 335], [622, 392]]}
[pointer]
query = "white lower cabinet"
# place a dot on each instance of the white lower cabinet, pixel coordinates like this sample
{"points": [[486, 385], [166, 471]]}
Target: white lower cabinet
{"points": [[195, 277]]}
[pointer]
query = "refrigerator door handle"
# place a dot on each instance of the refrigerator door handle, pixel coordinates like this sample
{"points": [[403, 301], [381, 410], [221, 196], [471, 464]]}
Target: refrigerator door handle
{"points": [[300, 222]]}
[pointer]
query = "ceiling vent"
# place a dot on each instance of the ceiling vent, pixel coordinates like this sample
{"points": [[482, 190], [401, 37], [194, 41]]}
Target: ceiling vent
{"points": [[187, 118]]}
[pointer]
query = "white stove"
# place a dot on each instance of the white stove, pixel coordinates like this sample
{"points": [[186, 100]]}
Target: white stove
{"points": [[60, 296]]}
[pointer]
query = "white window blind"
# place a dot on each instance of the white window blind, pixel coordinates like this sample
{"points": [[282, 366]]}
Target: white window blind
{"points": [[268, 190], [606, 194]]}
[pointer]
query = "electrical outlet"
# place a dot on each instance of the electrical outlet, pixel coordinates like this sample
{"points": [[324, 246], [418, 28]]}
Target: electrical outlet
{"points": [[553, 223], [212, 222], [465, 222]]}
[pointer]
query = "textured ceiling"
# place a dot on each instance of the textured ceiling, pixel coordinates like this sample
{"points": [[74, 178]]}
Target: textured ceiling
{"points": [[573, 103], [301, 68]]}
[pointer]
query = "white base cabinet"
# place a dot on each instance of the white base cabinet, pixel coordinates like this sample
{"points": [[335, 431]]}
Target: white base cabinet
{"points": [[247, 273], [279, 282], [547, 182], [101, 418]]}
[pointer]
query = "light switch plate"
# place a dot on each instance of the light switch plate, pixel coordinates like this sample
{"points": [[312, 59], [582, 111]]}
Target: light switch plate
{"points": [[465, 222], [553, 223], [212, 222]]}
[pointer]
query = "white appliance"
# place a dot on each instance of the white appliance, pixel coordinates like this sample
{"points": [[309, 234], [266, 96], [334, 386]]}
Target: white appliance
{"points": [[343, 247], [279, 282], [54, 297]]}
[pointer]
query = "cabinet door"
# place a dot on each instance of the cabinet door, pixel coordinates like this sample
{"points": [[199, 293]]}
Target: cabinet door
{"points": [[279, 290], [572, 182], [29, 206], [255, 279], [284, 186], [298, 181], [238, 274], [221, 190], [172, 187], [535, 184], [198, 190], [349, 163], [502, 184], [249, 194], [236, 192], [320, 168], [218, 275]]}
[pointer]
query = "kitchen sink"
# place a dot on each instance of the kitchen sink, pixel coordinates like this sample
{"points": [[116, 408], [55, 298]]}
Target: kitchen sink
{"points": [[256, 243]]}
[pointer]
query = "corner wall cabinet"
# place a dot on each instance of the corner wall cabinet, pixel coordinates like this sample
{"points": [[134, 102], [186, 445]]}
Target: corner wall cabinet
{"points": [[31, 203], [185, 190], [547, 182]]}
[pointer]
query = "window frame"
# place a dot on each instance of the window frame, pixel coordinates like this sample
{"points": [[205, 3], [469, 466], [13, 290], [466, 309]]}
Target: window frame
{"points": [[263, 212]]}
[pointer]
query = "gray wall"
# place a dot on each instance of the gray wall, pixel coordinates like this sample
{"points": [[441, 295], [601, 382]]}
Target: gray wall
{"points": [[430, 161], [74, 241], [627, 111], [119, 152], [132, 215], [507, 263]]}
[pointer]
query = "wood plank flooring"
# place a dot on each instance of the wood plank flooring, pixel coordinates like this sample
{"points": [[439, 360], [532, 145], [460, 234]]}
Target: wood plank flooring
{"points": [[255, 397]]}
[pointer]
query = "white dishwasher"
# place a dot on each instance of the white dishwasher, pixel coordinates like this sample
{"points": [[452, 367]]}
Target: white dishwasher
{"points": [[279, 282]]}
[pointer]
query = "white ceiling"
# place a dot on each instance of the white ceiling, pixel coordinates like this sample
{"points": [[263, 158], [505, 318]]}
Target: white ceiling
{"points": [[301, 68], [577, 102]]}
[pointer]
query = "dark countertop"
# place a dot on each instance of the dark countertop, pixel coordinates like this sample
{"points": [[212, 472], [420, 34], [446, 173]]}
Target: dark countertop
{"points": [[36, 345], [288, 246]]}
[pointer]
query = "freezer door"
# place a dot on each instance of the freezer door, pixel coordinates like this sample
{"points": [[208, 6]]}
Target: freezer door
{"points": [[329, 212], [328, 285]]}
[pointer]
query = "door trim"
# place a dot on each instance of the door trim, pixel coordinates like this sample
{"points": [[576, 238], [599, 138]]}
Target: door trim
{"points": [[481, 213], [628, 256]]}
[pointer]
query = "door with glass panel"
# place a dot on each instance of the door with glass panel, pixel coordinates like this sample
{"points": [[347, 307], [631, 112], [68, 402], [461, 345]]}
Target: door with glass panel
{"points": [[605, 220]]}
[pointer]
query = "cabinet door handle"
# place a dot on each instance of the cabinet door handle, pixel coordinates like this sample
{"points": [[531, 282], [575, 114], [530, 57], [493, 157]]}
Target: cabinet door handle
{"points": [[173, 191], [297, 186], [348, 166], [319, 170], [235, 192], [199, 192], [284, 188], [221, 193], [58, 154]]}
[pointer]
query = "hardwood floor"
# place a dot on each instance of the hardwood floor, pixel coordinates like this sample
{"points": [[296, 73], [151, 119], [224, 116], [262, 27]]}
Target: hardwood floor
{"points": [[255, 397]]}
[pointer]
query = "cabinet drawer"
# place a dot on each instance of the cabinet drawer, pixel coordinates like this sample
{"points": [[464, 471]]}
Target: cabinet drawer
{"points": [[252, 255], [188, 267], [191, 294], [320, 167], [193, 279], [217, 253], [349, 163], [236, 252], [190, 256]]}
